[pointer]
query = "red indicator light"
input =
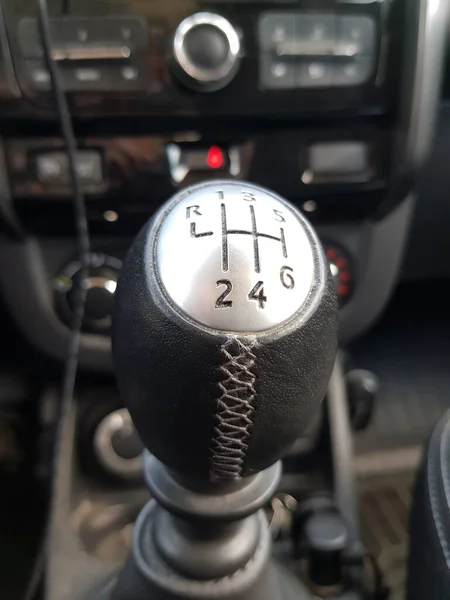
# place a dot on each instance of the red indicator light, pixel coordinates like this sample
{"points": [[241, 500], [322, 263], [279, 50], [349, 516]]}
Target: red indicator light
{"points": [[341, 263], [331, 253], [214, 158], [343, 289]]}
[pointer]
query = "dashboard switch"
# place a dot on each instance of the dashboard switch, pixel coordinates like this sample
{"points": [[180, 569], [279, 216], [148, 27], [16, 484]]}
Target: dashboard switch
{"points": [[52, 168], [314, 73], [356, 35], [86, 39], [275, 29], [354, 72], [194, 161], [206, 52], [100, 284], [93, 54], [330, 162], [316, 33], [315, 50], [276, 73]]}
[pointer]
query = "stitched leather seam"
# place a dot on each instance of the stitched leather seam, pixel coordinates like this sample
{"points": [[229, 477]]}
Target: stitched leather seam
{"points": [[235, 408]]}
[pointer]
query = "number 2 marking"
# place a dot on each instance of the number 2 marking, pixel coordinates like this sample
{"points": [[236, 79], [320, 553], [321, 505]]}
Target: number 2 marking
{"points": [[221, 301]]}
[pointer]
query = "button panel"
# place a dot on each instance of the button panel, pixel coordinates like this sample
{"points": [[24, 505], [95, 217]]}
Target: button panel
{"points": [[101, 55], [315, 50], [52, 168]]}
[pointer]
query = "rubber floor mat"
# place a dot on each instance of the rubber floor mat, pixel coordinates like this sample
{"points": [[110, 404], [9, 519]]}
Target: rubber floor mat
{"points": [[409, 351], [384, 505]]}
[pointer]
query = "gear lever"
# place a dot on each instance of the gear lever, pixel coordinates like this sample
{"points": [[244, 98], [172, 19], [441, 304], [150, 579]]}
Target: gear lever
{"points": [[224, 339]]}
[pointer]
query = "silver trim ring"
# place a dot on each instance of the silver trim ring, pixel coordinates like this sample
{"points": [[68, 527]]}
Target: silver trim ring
{"points": [[199, 74]]}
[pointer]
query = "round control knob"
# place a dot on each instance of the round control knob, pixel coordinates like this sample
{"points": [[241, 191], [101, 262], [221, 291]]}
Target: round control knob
{"points": [[117, 446], [100, 289], [327, 538], [224, 329], [342, 271], [206, 51]]}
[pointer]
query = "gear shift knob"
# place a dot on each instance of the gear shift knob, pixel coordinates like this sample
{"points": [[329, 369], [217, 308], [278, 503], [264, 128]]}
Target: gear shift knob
{"points": [[224, 329]]}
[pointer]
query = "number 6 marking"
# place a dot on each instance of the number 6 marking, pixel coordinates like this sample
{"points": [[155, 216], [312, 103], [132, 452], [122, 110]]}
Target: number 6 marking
{"points": [[286, 278]]}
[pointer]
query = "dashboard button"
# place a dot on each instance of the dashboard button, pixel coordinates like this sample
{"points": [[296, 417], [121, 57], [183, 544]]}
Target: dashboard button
{"points": [[37, 75], [276, 73], [89, 166], [79, 79], [206, 52], [316, 33], [87, 75], [96, 38], [100, 284], [274, 29], [52, 168], [194, 161], [352, 72], [117, 446], [356, 35], [330, 162], [314, 73]]}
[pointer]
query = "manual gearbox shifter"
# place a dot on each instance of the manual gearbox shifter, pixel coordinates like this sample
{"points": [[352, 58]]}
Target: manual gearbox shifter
{"points": [[224, 340]]}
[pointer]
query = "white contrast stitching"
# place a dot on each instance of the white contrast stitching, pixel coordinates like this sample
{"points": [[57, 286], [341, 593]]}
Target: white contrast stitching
{"points": [[234, 408]]}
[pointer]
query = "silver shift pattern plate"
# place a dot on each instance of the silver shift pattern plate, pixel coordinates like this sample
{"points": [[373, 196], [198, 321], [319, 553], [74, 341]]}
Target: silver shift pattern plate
{"points": [[235, 257]]}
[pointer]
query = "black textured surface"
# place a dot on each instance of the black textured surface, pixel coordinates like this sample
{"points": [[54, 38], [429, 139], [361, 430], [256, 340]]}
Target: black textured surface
{"points": [[168, 369], [409, 350], [429, 567], [22, 504], [429, 243]]}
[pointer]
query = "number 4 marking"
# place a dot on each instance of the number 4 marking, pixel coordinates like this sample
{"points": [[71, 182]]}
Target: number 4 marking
{"points": [[257, 294]]}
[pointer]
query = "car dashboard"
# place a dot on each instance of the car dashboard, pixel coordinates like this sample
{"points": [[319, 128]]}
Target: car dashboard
{"points": [[308, 83]]}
